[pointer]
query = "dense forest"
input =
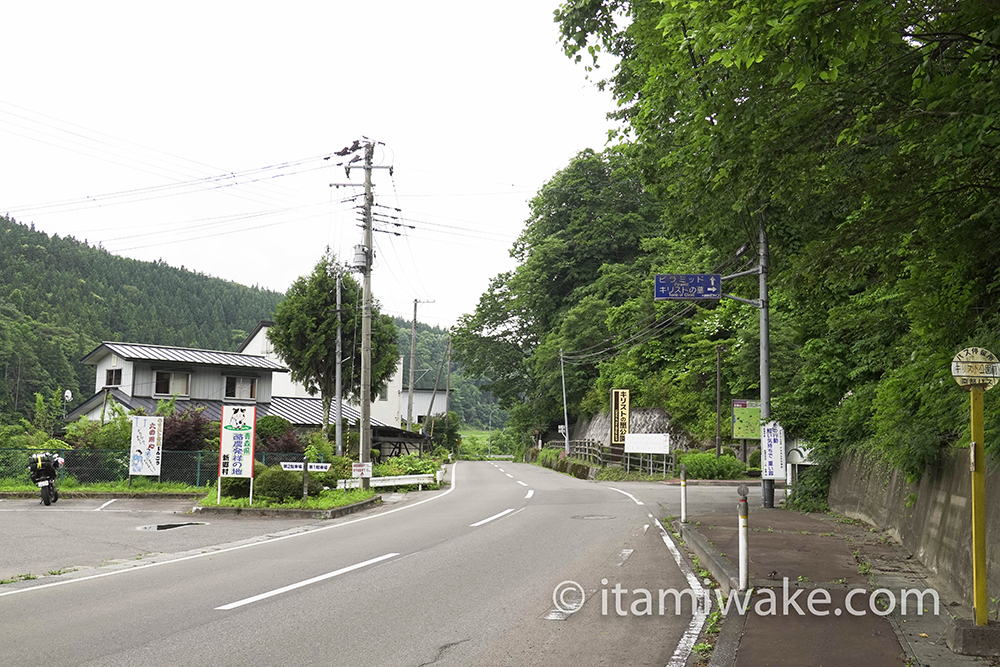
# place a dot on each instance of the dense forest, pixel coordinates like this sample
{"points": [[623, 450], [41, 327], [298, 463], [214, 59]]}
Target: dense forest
{"points": [[861, 136], [473, 406], [59, 298]]}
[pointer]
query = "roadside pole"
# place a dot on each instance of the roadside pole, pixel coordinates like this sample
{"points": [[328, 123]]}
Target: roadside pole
{"points": [[684, 494], [977, 370], [744, 511]]}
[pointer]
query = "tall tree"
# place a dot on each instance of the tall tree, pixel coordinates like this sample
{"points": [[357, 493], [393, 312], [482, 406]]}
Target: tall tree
{"points": [[305, 334]]}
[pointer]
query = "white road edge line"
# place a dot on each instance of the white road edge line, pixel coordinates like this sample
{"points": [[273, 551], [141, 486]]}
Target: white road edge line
{"points": [[495, 516], [105, 504], [531, 492], [307, 582], [626, 493], [690, 636], [454, 485]]}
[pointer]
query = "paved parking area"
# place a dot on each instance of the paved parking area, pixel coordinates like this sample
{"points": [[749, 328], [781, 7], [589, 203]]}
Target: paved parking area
{"points": [[79, 534]]}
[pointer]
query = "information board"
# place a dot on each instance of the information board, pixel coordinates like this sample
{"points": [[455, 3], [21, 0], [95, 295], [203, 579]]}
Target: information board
{"points": [[746, 419], [647, 443], [236, 441]]}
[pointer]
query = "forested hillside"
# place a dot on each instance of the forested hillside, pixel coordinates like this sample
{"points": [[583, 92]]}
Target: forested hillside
{"points": [[60, 297], [472, 405], [862, 136]]}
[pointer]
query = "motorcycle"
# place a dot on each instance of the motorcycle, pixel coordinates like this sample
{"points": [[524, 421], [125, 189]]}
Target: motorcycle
{"points": [[43, 473]]}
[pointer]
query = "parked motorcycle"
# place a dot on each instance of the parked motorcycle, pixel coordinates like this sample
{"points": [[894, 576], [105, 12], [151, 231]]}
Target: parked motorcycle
{"points": [[43, 473]]}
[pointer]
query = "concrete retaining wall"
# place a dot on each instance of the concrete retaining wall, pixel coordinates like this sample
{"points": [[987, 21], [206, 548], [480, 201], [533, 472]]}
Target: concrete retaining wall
{"points": [[937, 526], [641, 420]]}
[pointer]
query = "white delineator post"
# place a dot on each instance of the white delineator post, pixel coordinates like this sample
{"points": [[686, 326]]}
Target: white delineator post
{"points": [[684, 494], [744, 510]]}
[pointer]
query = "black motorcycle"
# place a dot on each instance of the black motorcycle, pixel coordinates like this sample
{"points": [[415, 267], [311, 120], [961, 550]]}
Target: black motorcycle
{"points": [[43, 473]]}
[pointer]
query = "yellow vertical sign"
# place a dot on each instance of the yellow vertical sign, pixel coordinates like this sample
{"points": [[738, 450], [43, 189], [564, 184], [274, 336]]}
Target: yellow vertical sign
{"points": [[619, 416], [977, 370]]}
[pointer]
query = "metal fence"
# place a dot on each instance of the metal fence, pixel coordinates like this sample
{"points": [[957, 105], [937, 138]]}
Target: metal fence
{"points": [[91, 466]]}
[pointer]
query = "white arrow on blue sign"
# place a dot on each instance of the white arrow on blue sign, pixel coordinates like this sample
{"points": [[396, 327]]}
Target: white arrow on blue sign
{"points": [[687, 286]]}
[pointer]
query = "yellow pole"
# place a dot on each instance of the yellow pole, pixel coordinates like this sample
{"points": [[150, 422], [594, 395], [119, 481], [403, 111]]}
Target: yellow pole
{"points": [[978, 467]]}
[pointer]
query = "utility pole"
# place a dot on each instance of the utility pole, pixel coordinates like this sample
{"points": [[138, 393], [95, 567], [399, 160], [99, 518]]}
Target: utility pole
{"points": [[413, 357], [339, 428], [767, 485], [366, 320]]}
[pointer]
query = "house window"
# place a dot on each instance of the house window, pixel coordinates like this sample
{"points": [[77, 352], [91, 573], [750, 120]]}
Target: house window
{"points": [[384, 394], [113, 377], [245, 388], [168, 384]]}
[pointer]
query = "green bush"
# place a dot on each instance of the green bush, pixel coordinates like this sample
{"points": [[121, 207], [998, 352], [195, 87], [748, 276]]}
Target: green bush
{"points": [[704, 465], [282, 486], [340, 468], [753, 459], [728, 451], [239, 487], [408, 464]]}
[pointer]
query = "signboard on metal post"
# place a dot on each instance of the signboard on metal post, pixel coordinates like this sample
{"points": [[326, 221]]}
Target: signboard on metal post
{"points": [[619, 415], [147, 446], [236, 444], [746, 419], [361, 469], [647, 443], [772, 451], [687, 287], [296, 466]]}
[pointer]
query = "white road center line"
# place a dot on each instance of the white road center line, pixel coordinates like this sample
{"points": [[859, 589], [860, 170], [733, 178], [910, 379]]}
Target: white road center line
{"points": [[626, 493], [521, 483], [531, 492], [105, 504], [509, 475], [495, 516], [307, 582]]}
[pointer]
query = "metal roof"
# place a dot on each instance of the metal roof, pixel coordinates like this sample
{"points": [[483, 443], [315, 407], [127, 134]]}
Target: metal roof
{"points": [[301, 412], [182, 355]]}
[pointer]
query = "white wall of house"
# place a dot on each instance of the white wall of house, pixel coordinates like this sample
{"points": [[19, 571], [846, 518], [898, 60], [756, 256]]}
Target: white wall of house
{"points": [[385, 410]]}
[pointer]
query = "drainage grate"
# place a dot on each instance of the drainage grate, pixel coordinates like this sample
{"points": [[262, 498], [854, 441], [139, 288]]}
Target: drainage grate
{"points": [[171, 526]]}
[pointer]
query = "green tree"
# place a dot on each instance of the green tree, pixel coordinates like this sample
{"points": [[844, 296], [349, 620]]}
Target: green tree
{"points": [[305, 334]]}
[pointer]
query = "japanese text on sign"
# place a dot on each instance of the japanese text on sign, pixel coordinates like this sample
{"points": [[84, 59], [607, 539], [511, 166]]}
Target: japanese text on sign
{"points": [[772, 451], [236, 441], [681, 286], [619, 415]]}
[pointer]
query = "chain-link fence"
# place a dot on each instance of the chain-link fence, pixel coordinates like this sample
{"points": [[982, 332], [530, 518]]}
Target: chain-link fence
{"points": [[92, 466]]}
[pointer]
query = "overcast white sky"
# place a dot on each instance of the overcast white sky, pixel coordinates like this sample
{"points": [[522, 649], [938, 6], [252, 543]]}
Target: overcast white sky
{"points": [[475, 103]]}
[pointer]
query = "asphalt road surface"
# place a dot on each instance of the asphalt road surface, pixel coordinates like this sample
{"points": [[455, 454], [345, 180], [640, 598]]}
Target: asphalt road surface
{"points": [[464, 576]]}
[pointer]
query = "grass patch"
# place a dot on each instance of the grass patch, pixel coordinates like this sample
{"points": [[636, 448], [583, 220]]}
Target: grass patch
{"points": [[325, 501]]}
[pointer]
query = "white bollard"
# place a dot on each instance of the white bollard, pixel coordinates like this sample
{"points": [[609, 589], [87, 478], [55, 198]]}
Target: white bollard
{"points": [[684, 494], [744, 510]]}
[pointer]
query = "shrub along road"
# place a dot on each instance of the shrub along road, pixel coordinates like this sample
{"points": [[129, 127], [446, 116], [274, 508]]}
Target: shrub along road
{"points": [[460, 576]]}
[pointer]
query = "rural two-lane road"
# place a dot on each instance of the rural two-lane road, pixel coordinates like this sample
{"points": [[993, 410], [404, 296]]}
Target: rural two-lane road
{"points": [[463, 576]]}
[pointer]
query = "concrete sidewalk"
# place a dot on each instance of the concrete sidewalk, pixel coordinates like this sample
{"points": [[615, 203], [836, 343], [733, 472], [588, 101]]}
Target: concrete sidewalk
{"points": [[791, 554]]}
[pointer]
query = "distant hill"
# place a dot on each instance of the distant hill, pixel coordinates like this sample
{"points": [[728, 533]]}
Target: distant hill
{"points": [[59, 298]]}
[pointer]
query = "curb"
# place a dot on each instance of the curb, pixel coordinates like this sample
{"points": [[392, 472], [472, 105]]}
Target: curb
{"points": [[724, 653], [303, 514]]}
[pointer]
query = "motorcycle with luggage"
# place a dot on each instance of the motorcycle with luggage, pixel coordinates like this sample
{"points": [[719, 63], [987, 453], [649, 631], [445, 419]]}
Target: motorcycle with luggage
{"points": [[42, 468]]}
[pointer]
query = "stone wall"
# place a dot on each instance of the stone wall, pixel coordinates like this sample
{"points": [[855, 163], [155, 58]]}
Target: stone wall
{"points": [[932, 518], [641, 420]]}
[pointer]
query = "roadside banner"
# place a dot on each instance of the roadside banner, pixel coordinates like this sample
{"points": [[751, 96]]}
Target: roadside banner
{"points": [[146, 451]]}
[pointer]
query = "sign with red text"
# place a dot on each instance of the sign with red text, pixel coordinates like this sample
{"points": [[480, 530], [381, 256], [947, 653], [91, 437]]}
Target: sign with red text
{"points": [[146, 452]]}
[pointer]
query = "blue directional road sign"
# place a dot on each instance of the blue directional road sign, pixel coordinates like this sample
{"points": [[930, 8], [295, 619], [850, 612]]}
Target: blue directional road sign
{"points": [[687, 286]]}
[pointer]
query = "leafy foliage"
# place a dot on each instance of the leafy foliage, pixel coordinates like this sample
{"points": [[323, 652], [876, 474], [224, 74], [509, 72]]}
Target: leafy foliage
{"points": [[305, 334]]}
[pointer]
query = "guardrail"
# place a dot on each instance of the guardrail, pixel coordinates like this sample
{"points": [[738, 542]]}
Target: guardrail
{"points": [[395, 480]]}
